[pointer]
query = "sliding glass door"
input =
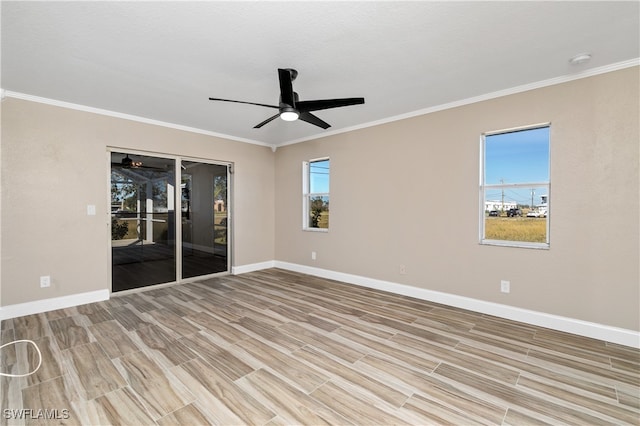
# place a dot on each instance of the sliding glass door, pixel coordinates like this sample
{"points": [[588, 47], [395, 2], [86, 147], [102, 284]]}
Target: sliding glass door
{"points": [[204, 218], [149, 243]]}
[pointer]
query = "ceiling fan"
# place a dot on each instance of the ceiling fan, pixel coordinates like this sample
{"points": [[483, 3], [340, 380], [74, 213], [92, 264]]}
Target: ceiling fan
{"points": [[291, 108], [129, 163]]}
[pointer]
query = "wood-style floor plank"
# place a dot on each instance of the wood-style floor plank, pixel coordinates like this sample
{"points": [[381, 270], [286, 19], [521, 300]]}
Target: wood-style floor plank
{"points": [[50, 367], [113, 339], [300, 374], [342, 371], [95, 372], [217, 357], [516, 396], [51, 403], [292, 405], [440, 413], [68, 333], [174, 323], [166, 349], [119, 407], [152, 386], [233, 397], [276, 347], [355, 407], [30, 327], [187, 415]]}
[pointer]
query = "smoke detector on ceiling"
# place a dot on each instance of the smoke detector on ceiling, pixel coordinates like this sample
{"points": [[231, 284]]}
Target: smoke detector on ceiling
{"points": [[580, 59]]}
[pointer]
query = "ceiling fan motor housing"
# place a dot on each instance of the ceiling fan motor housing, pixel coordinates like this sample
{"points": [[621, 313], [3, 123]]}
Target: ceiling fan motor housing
{"points": [[293, 73]]}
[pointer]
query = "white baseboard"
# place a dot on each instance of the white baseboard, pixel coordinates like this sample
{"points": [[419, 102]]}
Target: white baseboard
{"points": [[45, 305], [570, 325], [243, 269]]}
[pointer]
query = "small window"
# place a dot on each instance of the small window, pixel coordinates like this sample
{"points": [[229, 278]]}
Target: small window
{"points": [[316, 194], [514, 187]]}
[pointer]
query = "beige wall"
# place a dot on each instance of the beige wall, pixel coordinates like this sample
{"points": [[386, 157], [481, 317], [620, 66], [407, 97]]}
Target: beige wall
{"points": [[54, 163], [416, 165]]}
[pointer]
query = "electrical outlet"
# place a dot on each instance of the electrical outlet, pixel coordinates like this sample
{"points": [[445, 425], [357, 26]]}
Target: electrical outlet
{"points": [[505, 286], [313, 255], [403, 270], [45, 281]]}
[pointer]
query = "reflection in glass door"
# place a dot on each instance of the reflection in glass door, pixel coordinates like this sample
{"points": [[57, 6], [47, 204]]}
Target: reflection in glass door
{"points": [[143, 245], [204, 218], [148, 245]]}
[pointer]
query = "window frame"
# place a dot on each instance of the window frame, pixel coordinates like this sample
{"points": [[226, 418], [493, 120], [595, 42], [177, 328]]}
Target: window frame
{"points": [[306, 194], [483, 187]]}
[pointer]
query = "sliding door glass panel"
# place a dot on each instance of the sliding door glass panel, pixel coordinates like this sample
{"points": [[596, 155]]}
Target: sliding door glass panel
{"points": [[204, 218], [142, 221]]}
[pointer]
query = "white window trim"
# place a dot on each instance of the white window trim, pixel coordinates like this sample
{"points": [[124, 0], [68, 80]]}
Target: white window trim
{"points": [[506, 243], [306, 195]]}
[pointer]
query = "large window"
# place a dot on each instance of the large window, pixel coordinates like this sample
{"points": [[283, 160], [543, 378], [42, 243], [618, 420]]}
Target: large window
{"points": [[315, 183], [514, 187]]}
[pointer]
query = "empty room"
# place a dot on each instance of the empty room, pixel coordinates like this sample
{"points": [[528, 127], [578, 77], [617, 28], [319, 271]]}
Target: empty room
{"points": [[349, 213]]}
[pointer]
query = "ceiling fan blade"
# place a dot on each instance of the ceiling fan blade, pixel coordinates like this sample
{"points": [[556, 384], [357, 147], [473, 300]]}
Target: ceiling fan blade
{"points": [[243, 102], [327, 103], [286, 87], [312, 119], [268, 120]]}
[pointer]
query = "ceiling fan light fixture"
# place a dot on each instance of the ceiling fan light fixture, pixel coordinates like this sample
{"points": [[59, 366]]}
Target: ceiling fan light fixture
{"points": [[289, 114]]}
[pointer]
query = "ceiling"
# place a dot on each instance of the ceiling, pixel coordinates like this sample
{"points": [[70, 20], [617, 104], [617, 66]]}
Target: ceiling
{"points": [[162, 60]]}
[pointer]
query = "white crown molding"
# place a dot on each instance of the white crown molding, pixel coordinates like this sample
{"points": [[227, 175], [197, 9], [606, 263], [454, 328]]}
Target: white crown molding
{"points": [[518, 89], [493, 95], [84, 108]]}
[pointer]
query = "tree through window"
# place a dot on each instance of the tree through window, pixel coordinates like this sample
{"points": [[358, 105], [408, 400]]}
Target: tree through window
{"points": [[316, 194]]}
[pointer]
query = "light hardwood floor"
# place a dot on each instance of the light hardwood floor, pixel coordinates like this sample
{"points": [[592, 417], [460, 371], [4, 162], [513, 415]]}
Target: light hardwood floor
{"points": [[274, 347]]}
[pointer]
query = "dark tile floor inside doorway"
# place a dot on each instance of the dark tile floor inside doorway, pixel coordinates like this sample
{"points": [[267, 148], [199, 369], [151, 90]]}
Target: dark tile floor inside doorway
{"points": [[134, 267]]}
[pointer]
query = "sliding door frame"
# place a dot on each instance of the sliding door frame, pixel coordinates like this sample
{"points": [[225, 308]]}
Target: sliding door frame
{"points": [[228, 206], [178, 159]]}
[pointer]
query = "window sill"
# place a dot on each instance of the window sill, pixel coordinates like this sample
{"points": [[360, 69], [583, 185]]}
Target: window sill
{"points": [[322, 230], [515, 244]]}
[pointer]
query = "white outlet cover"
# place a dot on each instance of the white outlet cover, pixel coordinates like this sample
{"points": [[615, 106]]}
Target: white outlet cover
{"points": [[505, 286], [45, 281], [91, 210]]}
